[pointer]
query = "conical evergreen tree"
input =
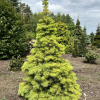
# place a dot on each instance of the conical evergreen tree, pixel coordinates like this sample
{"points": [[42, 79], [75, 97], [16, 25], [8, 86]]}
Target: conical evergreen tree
{"points": [[12, 31], [77, 30], [87, 39], [75, 50], [15, 4], [64, 36], [82, 46], [97, 38], [92, 36], [49, 77]]}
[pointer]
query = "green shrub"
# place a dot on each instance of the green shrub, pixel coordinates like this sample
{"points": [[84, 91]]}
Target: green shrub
{"points": [[93, 47], [91, 57], [3, 99], [16, 63]]}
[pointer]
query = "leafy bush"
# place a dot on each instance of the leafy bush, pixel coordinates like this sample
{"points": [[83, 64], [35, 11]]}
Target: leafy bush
{"points": [[91, 57], [93, 48], [16, 63]]}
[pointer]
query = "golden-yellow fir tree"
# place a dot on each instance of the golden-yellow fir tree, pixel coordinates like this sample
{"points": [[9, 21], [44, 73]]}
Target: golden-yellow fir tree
{"points": [[49, 76]]}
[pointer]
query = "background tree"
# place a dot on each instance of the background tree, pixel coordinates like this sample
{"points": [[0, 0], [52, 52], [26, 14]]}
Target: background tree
{"points": [[81, 40], [33, 23], [92, 36], [12, 31], [96, 41], [68, 19], [49, 76], [26, 13], [87, 38], [64, 36], [75, 50], [51, 15], [15, 4], [82, 46], [71, 27], [77, 30], [63, 18]]}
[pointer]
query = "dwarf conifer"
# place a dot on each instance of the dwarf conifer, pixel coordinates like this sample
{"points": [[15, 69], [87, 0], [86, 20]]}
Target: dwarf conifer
{"points": [[49, 77]]}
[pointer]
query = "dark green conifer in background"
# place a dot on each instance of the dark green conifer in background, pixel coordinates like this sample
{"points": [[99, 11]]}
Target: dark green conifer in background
{"points": [[75, 50], [87, 38], [77, 30], [96, 41], [49, 77], [12, 31], [92, 37], [82, 46], [15, 4]]}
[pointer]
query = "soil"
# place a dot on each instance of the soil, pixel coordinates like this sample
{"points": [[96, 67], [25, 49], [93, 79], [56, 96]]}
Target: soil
{"points": [[88, 77]]}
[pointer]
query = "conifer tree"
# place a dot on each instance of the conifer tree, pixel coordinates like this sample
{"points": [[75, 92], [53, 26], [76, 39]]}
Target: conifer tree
{"points": [[71, 28], [26, 12], [75, 50], [49, 77], [82, 46], [12, 31], [15, 4], [77, 30], [97, 38], [68, 19], [64, 36], [92, 36], [87, 39]]}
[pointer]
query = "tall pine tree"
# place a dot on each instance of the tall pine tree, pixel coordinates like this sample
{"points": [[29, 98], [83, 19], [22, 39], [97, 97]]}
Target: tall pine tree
{"points": [[49, 77], [96, 41]]}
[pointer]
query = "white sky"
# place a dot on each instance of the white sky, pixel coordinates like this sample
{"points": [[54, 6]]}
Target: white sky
{"points": [[89, 10]]}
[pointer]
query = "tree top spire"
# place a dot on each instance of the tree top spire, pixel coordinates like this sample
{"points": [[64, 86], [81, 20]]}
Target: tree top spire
{"points": [[45, 7]]}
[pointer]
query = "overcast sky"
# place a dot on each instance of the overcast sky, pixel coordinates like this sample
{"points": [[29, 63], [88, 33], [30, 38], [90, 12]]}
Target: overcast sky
{"points": [[89, 10]]}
